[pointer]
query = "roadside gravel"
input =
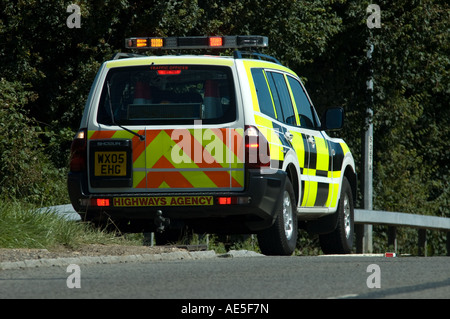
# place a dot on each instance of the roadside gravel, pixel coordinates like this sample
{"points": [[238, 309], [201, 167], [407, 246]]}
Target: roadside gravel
{"points": [[13, 255], [106, 254]]}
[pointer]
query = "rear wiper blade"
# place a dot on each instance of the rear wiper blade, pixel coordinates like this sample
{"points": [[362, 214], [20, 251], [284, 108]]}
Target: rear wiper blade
{"points": [[141, 137]]}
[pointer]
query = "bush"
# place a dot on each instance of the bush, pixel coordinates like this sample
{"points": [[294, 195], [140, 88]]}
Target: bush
{"points": [[25, 171]]}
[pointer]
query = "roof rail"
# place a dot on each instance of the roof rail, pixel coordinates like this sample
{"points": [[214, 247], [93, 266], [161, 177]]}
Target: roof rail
{"points": [[260, 56], [122, 55]]}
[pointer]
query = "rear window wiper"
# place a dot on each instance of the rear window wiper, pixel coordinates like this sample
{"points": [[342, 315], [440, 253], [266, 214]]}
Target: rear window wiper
{"points": [[141, 137]]}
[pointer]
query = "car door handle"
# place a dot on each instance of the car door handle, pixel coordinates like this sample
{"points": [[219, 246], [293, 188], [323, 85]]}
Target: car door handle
{"points": [[312, 141], [289, 136]]}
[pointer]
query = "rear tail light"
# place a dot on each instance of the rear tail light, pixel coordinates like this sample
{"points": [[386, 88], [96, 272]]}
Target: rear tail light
{"points": [[102, 202], [78, 153], [95, 202], [232, 200], [257, 153]]}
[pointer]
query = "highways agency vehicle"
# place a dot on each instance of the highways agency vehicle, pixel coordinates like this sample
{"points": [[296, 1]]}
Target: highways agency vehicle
{"points": [[219, 144]]}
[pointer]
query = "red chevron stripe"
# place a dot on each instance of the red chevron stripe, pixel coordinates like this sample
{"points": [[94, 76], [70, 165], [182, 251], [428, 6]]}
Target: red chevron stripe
{"points": [[173, 179]]}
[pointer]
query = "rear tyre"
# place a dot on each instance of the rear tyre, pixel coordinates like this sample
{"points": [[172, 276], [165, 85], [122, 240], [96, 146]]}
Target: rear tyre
{"points": [[281, 237], [340, 241]]}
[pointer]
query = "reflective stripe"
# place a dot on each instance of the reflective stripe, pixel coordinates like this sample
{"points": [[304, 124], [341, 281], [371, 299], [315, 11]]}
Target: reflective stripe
{"points": [[345, 148], [268, 128], [323, 155], [332, 195], [139, 179], [312, 193], [201, 158]]}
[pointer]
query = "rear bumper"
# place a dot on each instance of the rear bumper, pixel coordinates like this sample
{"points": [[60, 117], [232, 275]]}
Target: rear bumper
{"points": [[253, 209]]}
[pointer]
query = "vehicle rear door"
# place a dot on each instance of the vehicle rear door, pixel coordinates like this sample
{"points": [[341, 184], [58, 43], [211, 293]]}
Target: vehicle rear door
{"points": [[186, 133]]}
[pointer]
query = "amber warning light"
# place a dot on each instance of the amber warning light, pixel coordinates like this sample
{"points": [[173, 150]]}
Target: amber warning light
{"points": [[203, 42], [215, 41]]}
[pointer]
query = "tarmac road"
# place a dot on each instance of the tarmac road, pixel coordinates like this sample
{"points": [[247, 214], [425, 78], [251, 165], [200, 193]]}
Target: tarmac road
{"points": [[254, 277]]}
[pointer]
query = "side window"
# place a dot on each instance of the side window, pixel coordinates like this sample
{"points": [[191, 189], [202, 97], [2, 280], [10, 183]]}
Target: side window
{"points": [[263, 93], [278, 93], [302, 103], [275, 96], [279, 89]]}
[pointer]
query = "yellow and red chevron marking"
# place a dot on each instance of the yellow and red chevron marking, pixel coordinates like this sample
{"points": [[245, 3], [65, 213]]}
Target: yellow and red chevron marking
{"points": [[185, 158]]}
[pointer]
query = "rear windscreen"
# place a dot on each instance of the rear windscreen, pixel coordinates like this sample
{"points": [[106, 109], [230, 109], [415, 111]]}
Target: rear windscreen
{"points": [[167, 94]]}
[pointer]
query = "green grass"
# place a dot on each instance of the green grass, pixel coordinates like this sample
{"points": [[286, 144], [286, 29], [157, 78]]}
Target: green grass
{"points": [[25, 226], [22, 226]]}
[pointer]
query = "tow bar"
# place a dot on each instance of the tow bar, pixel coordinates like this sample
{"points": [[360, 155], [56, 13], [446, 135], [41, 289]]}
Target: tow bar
{"points": [[161, 222]]}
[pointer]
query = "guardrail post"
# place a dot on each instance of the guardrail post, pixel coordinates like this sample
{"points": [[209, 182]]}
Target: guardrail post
{"points": [[392, 237], [363, 238], [422, 242], [148, 239], [359, 232], [448, 243]]}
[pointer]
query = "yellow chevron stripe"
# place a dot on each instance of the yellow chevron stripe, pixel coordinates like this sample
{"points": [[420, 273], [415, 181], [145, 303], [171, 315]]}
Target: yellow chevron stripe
{"points": [[138, 177], [198, 179]]}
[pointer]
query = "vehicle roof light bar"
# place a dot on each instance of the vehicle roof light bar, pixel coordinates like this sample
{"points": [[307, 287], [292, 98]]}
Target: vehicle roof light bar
{"points": [[202, 42]]}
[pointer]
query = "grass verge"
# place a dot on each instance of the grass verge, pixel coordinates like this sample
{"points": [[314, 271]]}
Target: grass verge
{"points": [[22, 226], [25, 226]]}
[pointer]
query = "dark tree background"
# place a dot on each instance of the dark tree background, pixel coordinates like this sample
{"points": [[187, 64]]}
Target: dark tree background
{"points": [[46, 70]]}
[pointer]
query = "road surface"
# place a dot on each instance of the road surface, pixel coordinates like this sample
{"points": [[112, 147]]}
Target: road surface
{"points": [[238, 278]]}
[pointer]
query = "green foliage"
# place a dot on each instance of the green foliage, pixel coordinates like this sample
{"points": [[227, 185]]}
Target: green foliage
{"points": [[24, 169], [412, 107]]}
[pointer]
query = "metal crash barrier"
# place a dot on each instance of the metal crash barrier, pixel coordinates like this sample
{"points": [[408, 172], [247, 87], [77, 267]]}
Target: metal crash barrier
{"points": [[395, 219]]}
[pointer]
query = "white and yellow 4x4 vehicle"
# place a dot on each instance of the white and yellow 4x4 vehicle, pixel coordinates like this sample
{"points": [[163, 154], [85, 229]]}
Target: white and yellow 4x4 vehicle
{"points": [[220, 144]]}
